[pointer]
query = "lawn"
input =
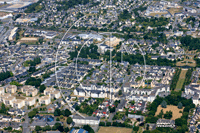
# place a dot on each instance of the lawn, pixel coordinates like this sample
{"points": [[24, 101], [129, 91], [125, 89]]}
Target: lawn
{"points": [[175, 111], [181, 80], [114, 130]]}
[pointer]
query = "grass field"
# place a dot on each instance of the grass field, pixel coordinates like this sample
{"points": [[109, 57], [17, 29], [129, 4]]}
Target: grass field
{"points": [[114, 130], [181, 80], [174, 109], [153, 14], [175, 10], [187, 62]]}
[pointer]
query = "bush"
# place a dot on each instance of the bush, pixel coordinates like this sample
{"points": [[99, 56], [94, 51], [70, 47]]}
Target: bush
{"points": [[135, 128], [102, 124], [69, 120], [108, 124]]}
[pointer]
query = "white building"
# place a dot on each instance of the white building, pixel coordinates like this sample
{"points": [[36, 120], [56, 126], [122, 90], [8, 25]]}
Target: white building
{"points": [[2, 90], [92, 36], [30, 101], [11, 89], [29, 90], [45, 100], [18, 103], [87, 120], [52, 92], [12, 34]]}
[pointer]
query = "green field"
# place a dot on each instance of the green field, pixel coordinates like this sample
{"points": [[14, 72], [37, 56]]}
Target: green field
{"points": [[181, 80]]}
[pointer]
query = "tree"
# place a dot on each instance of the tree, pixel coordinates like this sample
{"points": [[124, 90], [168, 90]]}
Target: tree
{"points": [[32, 69], [135, 128], [120, 92], [77, 108], [46, 128], [38, 128], [8, 128], [168, 115], [66, 112], [88, 128], [57, 112], [57, 119], [108, 124], [42, 88], [33, 81], [112, 109], [133, 102], [180, 105], [5, 75], [66, 129], [69, 120], [102, 124], [161, 114], [32, 113], [164, 104], [147, 128], [58, 126]]}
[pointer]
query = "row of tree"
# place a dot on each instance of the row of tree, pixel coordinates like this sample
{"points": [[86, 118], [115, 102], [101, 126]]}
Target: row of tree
{"points": [[187, 78], [175, 79], [5, 75], [59, 112], [115, 124]]}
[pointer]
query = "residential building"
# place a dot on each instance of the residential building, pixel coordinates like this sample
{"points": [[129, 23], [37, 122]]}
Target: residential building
{"points": [[52, 92], [45, 100], [30, 101], [11, 89]]}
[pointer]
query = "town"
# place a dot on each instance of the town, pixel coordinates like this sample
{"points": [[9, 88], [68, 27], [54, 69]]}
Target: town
{"points": [[100, 66]]}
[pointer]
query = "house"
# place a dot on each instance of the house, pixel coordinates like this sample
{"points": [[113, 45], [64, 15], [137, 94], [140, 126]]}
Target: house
{"points": [[87, 120], [51, 110], [45, 100], [17, 119], [6, 119], [11, 89], [126, 86], [79, 92], [43, 120], [165, 123], [152, 126], [16, 112]]}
